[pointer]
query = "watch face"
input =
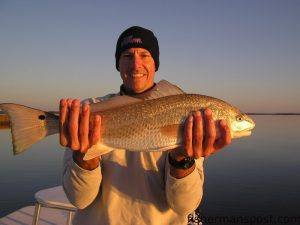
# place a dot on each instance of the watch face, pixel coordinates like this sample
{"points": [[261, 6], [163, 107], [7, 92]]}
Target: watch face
{"points": [[188, 163], [185, 163]]}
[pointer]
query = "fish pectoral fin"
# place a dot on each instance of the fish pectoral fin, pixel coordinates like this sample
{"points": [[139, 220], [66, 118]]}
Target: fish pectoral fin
{"points": [[172, 130], [97, 150]]}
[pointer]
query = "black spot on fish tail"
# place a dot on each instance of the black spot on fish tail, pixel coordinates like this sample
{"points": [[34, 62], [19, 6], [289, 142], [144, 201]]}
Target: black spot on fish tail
{"points": [[42, 117]]}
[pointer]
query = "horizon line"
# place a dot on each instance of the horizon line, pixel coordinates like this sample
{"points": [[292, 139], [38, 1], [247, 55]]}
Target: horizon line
{"points": [[248, 113]]}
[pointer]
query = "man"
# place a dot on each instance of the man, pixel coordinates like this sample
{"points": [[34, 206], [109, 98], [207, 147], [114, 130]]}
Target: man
{"points": [[123, 187]]}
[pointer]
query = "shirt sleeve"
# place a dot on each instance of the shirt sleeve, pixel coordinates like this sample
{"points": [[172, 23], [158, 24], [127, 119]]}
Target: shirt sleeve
{"points": [[81, 186], [184, 195]]}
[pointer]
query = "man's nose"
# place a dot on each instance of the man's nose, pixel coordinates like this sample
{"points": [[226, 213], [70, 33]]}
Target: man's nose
{"points": [[136, 62]]}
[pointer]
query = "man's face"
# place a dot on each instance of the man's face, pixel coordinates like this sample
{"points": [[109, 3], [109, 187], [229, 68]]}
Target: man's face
{"points": [[137, 69]]}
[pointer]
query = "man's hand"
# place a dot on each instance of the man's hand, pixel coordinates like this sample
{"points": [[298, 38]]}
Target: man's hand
{"points": [[199, 139], [77, 133]]}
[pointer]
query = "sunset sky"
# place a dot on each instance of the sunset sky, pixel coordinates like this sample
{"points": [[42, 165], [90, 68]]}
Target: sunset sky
{"points": [[246, 52]]}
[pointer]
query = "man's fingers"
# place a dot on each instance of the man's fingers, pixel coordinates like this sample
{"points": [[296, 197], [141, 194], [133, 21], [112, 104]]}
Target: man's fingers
{"points": [[84, 128], [73, 124], [197, 134], [225, 138], [76, 131], [93, 133], [210, 133], [188, 136], [69, 104], [63, 113], [96, 130]]}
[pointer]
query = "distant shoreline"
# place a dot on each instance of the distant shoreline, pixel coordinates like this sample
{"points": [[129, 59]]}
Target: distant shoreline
{"points": [[4, 121], [3, 115]]}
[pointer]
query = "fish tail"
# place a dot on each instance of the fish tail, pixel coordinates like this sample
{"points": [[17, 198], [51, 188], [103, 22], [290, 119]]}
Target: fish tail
{"points": [[29, 125]]}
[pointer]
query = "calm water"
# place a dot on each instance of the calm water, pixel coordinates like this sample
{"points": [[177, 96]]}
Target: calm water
{"points": [[255, 176]]}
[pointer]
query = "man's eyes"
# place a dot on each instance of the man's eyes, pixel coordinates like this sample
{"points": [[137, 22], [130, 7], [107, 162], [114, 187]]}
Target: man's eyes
{"points": [[128, 56], [145, 55]]}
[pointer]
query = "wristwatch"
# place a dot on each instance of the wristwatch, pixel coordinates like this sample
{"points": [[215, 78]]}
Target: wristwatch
{"points": [[183, 164]]}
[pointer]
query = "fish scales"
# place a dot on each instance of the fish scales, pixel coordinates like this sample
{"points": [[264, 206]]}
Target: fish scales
{"points": [[141, 129]]}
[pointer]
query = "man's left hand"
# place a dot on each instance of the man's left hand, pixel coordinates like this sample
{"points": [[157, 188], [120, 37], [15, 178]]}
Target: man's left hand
{"points": [[199, 137]]}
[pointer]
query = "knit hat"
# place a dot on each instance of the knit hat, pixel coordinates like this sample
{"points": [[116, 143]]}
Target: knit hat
{"points": [[138, 37]]}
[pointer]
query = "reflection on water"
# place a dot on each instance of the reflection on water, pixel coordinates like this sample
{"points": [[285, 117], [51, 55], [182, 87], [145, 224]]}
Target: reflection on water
{"points": [[258, 175], [22, 175], [254, 176]]}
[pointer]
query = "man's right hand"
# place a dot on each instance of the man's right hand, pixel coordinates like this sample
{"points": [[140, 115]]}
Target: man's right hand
{"points": [[76, 131]]}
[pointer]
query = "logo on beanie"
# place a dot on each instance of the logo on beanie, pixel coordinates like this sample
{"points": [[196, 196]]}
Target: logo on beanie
{"points": [[131, 40]]}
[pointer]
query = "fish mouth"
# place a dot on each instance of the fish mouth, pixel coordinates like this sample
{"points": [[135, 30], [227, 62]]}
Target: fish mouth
{"points": [[246, 133], [243, 133]]}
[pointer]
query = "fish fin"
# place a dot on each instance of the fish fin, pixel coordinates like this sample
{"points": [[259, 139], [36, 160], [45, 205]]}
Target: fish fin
{"points": [[172, 130], [165, 88], [162, 88], [114, 102], [97, 150], [29, 125], [167, 148]]}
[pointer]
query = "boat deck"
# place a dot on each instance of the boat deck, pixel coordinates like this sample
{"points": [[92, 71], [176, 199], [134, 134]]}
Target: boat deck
{"points": [[24, 216]]}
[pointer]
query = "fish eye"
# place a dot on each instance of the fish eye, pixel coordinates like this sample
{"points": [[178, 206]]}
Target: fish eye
{"points": [[239, 118]]}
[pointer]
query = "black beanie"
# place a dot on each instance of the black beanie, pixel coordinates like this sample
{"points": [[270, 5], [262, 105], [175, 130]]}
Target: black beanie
{"points": [[138, 37]]}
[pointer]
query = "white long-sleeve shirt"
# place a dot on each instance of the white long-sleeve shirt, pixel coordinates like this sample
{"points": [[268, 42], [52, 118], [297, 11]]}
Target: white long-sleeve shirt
{"points": [[131, 188]]}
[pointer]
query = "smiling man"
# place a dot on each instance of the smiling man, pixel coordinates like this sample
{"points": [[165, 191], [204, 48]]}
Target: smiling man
{"points": [[123, 187], [137, 65], [137, 70]]}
